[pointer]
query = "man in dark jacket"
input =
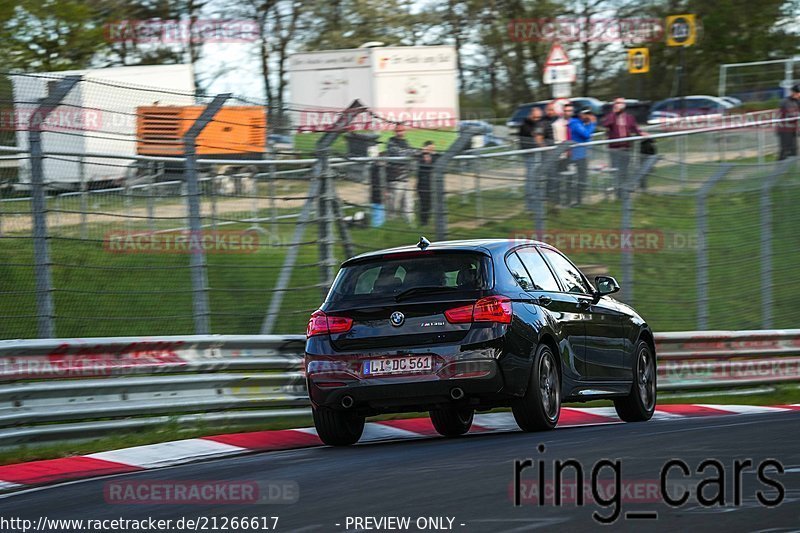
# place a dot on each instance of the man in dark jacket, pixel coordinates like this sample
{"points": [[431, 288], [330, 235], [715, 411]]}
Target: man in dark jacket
{"points": [[788, 131], [427, 159], [533, 133], [397, 173], [619, 124]]}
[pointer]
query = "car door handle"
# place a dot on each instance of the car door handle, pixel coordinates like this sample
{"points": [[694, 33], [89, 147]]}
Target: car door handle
{"points": [[544, 301], [584, 304]]}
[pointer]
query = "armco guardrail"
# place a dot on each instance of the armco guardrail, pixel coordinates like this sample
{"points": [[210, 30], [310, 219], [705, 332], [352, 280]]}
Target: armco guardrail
{"points": [[59, 389]]}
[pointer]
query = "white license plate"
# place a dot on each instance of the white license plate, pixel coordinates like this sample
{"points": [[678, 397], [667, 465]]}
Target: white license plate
{"points": [[398, 365]]}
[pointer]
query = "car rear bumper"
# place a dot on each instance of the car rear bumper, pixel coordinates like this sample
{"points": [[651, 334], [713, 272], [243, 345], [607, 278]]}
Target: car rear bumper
{"points": [[404, 395], [471, 379]]}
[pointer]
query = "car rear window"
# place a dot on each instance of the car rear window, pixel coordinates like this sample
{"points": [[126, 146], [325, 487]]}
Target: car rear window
{"points": [[388, 276]]}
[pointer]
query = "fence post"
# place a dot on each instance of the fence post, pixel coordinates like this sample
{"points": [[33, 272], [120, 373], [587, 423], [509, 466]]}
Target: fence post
{"points": [[271, 188], [200, 309], [629, 186], [84, 199], [150, 207], [462, 142], [478, 191], [702, 246], [285, 275], [766, 242], [41, 253], [682, 158], [325, 230]]}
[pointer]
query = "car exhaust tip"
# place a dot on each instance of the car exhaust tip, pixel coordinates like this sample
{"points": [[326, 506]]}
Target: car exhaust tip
{"points": [[456, 393], [347, 402]]}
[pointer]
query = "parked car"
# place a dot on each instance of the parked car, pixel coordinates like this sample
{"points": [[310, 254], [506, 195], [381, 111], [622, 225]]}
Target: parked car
{"points": [[522, 111], [486, 129], [463, 326], [688, 106], [580, 102]]}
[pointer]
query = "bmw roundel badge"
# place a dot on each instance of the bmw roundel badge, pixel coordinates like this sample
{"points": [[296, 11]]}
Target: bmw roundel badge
{"points": [[397, 319]]}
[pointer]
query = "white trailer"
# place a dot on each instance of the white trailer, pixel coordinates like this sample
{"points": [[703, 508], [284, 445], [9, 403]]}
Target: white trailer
{"points": [[412, 84], [98, 116]]}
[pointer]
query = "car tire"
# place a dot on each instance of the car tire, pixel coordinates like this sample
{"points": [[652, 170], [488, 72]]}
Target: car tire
{"points": [[337, 428], [452, 422], [540, 407], [640, 404]]}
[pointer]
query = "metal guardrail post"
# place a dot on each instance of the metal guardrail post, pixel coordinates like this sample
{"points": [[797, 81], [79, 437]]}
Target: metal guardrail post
{"points": [[702, 246], [41, 254], [766, 241], [200, 308]]}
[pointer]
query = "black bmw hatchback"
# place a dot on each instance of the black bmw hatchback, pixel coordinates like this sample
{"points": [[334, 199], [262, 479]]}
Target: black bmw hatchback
{"points": [[462, 326]]}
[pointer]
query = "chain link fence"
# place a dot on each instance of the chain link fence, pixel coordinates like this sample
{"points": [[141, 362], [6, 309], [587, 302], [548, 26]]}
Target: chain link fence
{"points": [[194, 224]]}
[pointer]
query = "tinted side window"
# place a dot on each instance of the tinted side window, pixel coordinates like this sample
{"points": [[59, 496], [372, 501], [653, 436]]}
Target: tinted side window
{"points": [[518, 271], [569, 275], [543, 279]]}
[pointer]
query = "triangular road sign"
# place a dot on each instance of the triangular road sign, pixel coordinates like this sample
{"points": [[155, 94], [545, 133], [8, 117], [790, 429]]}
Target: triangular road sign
{"points": [[557, 56]]}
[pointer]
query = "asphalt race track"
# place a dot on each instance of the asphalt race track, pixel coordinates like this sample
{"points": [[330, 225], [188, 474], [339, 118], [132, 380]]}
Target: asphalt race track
{"points": [[471, 480]]}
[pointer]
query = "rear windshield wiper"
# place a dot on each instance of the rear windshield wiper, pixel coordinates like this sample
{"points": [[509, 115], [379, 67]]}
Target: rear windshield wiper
{"points": [[423, 289]]}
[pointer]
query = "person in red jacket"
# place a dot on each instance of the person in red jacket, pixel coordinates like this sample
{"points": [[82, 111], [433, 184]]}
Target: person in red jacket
{"points": [[619, 124]]}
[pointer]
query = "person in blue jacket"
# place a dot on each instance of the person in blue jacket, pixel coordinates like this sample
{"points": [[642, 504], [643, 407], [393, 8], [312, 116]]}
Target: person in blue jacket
{"points": [[581, 128]]}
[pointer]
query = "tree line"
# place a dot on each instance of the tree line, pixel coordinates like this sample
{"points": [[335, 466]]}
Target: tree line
{"points": [[502, 44]]}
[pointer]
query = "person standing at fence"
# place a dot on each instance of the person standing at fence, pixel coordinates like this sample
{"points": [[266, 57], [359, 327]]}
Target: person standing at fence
{"points": [[559, 132], [620, 124], [532, 133], [788, 131], [581, 129], [377, 192], [427, 159], [397, 174]]}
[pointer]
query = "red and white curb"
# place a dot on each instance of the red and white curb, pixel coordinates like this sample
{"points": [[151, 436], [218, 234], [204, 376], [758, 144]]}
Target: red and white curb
{"points": [[138, 458]]}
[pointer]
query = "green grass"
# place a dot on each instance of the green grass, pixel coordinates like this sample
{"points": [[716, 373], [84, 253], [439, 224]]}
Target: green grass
{"points": [[305, 142], [99, 293]]}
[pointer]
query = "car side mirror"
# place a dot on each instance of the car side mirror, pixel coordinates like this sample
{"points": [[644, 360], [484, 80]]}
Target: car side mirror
{"points": [[605, 285]]}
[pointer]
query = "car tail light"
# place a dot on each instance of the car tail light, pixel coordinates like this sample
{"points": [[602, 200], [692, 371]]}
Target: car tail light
{"points": [[322, 324], [489, 309]]}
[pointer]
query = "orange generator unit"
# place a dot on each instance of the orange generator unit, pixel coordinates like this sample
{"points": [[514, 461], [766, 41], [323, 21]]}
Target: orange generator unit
{"points": [[234, 132]]}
